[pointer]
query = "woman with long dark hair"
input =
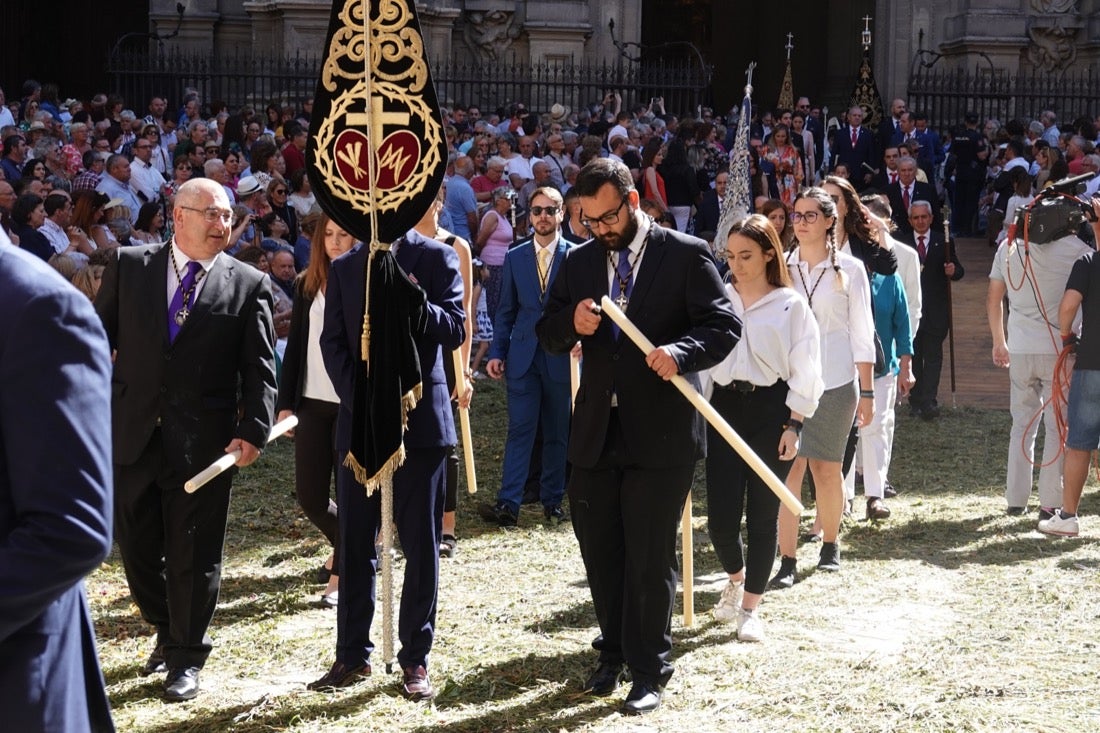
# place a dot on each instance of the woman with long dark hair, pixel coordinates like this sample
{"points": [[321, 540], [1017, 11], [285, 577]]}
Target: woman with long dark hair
{"points": [[765, 388], [653, 185], [681, 183], [306, 390]]}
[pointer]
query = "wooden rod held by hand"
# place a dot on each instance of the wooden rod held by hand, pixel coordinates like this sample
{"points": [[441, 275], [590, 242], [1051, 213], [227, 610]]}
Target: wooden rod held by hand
{"points": [[574, 378], [723, 428], [227, 461], [687, 570], [464, 424]]}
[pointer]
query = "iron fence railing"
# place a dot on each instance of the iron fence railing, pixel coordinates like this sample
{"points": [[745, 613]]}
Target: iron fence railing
{"points": [[947, 95], [243, 78]]}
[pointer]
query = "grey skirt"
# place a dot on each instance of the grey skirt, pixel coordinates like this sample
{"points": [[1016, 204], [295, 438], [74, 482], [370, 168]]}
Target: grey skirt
{"points": [[825, 435]]}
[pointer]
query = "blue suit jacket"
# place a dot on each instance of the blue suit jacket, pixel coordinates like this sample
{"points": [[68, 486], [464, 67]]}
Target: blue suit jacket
{"points": [[434, 267], [520, 308], [55, 497]]}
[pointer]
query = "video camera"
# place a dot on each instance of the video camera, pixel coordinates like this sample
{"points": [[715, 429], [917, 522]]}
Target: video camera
{"points": [[1056, 212]]}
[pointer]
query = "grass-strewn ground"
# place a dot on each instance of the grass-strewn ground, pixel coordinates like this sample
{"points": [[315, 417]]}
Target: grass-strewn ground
{"points": [[950, 616]]}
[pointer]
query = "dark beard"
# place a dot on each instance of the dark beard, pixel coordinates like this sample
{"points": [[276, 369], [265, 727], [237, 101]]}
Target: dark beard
{"points": [[618, 242]]}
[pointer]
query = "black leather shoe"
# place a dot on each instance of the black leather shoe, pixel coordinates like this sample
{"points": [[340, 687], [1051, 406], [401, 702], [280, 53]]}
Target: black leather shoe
{"points": [[340, 675], [555, 514], [605, 679], [499, 513], [644, 697], [889, 491], [785, 578], [181, 684], [155, 663]]}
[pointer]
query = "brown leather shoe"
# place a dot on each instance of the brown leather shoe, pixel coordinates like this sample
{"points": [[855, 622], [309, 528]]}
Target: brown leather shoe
{"points": [[877, 509], [416, 685], [340, 675]]}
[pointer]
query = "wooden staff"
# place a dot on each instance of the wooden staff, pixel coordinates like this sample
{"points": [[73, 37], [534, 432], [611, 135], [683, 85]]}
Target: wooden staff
{"points": [[723, 428], [946, 212], [464, 422], [687, 552], [574, 378], [227, 461]]}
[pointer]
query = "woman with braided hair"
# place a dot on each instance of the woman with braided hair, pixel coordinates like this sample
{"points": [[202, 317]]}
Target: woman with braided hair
{"points": [[836, 287]]}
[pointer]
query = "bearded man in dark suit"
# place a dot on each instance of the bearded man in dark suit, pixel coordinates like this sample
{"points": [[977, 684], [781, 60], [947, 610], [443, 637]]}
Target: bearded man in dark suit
{"points": [[634, 440]]}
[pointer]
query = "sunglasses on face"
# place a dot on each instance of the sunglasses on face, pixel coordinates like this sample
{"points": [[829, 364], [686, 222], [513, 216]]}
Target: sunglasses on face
{"points": [[540, 210]]}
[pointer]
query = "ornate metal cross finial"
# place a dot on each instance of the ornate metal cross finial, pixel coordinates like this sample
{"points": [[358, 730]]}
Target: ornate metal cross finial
{"points": [[790, 45], [865, 37], [748, 77]]}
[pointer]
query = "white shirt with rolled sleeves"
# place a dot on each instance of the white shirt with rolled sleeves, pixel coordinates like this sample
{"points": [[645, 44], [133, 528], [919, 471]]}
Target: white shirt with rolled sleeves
{"points": [[843, 314], [779, 340]]}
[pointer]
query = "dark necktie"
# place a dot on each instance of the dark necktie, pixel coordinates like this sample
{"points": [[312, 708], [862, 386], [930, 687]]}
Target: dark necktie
{"points": [[178, 310], [855, 136], [921, 249], [905, 198], [620, 294]]}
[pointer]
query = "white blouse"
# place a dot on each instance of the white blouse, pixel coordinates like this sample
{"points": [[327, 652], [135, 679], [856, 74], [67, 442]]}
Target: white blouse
{"points": [[843, 314], [779, 340], [317, 385]]}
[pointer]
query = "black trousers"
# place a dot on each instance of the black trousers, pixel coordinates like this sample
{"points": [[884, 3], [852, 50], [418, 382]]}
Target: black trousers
{"points": [[927, 365], [625, 519], [734, 490], [315, 462], [171, 545]]}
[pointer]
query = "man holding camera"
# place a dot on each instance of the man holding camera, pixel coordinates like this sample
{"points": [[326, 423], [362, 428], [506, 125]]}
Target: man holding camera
{"points": [[1083, 415], [1033, 278]]}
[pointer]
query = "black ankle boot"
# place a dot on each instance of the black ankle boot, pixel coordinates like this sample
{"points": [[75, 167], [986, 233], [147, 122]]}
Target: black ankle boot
{"points": [[830, 557], [786, 576]]}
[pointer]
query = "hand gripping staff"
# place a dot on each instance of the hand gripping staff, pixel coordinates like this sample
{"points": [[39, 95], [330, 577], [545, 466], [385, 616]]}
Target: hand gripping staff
{"points": [[227, 461]]}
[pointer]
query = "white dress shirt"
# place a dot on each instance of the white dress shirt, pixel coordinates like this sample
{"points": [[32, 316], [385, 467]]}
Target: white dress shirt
{"points": [[779, 340], [842, 306]]}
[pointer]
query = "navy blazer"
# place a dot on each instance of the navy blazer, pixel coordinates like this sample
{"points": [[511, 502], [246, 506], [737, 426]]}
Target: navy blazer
{"points": [[678, 301], [521, 300], [55, 497], [434, 267]]}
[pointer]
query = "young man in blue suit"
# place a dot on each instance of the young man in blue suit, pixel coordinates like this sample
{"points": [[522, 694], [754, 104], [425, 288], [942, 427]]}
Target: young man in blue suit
{"points": [[538, 382], [635, 439], [418, 485], [55, 497]]}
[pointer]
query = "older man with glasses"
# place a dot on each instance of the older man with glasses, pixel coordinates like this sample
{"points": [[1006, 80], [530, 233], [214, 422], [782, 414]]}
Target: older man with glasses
{"points": [[145, 179]]}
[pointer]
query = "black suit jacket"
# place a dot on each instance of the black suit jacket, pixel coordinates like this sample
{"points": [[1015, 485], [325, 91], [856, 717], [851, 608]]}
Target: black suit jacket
{"points": [[222, 361], [921, 192], [933, 282], [678, 301], [864, 152], [706, 214]]}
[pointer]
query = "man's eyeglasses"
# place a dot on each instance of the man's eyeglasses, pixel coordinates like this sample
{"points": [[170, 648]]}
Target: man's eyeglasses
{"points": [[809, 217], [540, 210], [213, 214], [609, 219]]}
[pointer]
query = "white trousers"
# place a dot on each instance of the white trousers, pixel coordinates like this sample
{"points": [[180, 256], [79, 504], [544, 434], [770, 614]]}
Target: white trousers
{"points": [[876, 443], [1030, 376]]}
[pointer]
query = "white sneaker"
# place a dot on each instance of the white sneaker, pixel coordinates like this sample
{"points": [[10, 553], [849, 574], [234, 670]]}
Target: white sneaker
{"points": [[729, 605], [1059, 527], [749, 626]]}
